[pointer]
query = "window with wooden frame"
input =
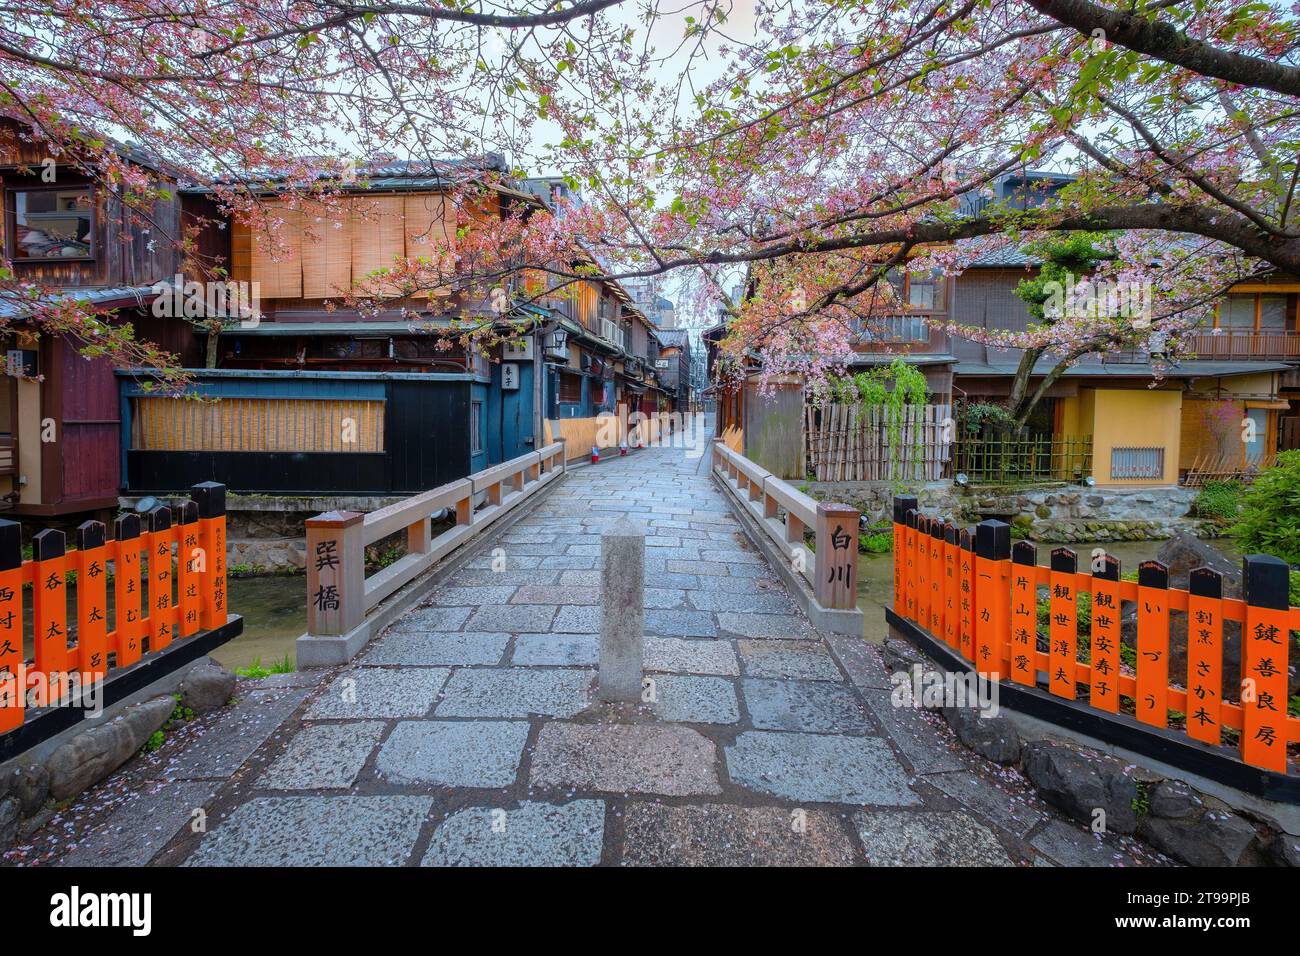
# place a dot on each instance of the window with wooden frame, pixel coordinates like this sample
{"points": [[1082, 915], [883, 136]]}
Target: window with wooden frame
{"points": [[1253, 312], [50, 223], [924, 291], [570, 387]]}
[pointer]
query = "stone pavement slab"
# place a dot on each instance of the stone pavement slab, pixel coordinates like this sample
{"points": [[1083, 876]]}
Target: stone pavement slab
{"points": [[514, 692], [788, 659], [556, 649], [819, 768], [532, 834], [927, 838], [702, 656], [470, 753], [625, 758], [724, 834], [814, 706], [689, 699], [323, 756], [363, 692], [454, 648], [237, 735], [140, 829], [316, 831]]}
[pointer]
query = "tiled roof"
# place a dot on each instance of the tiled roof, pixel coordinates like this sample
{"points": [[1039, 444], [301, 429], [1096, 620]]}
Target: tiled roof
{"points": [[1005, 257], [127, 296]]}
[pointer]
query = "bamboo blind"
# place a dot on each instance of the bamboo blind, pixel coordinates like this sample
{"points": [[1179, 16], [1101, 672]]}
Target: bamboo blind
{"points": [[847, 443], [327, 258], [326, 255], [258, 424]]}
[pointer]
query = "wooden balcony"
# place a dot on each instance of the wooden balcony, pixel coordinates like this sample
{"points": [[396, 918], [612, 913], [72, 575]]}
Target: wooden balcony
{"points": [[1246, 344], [901, 333]]}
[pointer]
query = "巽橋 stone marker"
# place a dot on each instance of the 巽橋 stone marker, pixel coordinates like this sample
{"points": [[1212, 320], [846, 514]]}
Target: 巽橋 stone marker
{"points": [[622, 611]]}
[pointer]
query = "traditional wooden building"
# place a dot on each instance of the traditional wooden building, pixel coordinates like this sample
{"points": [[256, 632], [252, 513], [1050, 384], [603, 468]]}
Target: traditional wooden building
{"points": [[71, 236]]}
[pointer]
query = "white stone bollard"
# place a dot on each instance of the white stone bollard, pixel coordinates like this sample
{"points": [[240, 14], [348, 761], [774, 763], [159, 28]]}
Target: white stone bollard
{"points": [[622, 611]]}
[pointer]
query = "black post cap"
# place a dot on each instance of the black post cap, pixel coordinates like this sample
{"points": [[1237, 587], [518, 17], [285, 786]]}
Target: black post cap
{"points": [[91, 534], [1064, 561], [922, 524], [126, 526], [48, 544], [1205, 582], [902, 505], [11, 545], [966, 538], [949, 532], [910, 518], [160, 518], [936, 529], [993, 540], [210, 497], [187, 512], [1109, 570], [1024, 552], [1266, 580], [1153, 574]]}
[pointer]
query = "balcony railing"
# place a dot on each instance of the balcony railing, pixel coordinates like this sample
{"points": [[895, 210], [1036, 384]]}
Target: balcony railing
{"points": [[1246, 343], [1223, 344], [894, 330]]}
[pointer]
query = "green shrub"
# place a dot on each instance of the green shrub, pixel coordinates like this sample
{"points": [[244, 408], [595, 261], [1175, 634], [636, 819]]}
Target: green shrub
{"points": [[1218, 499], [1295, 589], [283, 666], [1269, 522], [254, 670], [877, 543]]}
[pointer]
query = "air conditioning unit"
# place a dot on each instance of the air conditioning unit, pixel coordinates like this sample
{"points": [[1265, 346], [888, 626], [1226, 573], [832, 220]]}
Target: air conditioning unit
{"points": [[661, 363], [585, 362]]}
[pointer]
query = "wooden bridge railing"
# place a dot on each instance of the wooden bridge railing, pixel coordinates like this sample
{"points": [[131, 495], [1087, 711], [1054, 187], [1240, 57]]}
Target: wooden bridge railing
{"points": [[168, 584], [785, 513], [976, 593], [339, 595]]}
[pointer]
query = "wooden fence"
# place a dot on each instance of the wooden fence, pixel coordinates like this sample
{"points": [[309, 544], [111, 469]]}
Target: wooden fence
{"points": [[168, 585], [1225, 467], [1012, 459], [974, 592], [849, 443], [339, 595]]}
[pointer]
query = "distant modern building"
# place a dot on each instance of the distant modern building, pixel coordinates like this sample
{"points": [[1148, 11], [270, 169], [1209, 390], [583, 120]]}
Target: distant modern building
{"points": [[647, 294]]}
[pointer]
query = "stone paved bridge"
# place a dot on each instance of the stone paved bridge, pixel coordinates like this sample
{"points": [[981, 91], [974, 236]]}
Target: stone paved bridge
{"points": [[467, 732]]}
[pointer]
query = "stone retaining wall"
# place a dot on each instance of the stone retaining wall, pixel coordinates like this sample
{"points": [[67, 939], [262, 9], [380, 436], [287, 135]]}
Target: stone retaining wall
{"points": [[1059, 514]]}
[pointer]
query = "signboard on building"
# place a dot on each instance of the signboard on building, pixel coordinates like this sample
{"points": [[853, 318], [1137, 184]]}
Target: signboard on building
{"points": [[509, 377], [518, 350]]}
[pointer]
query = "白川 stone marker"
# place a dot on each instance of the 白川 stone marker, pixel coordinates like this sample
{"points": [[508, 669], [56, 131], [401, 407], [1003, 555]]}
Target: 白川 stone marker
{"points": [[622, 611]]}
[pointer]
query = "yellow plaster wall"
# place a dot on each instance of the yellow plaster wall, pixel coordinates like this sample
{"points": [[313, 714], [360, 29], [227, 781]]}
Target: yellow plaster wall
{"points": [[1123, 418]]}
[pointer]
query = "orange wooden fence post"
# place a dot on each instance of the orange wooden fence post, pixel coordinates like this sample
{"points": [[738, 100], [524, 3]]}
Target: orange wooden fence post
{"points": [[1063, 637], [1204, 655], [92, 600], [909, 563], [12, 689], [921, 546], [187, 572], [1103, 692], [966, 619], [1024, 613], [902, 505], [837, 555], [50, 610], [993, 610], [126, 590], [1264, 640], [211, 499], [936, 578], [160, 578], [951, 586], [1153, 644]]}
